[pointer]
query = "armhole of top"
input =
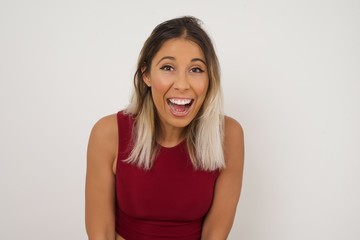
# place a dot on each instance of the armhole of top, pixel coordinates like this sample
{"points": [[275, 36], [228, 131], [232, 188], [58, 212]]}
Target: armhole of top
{"points": [[119, 117]]}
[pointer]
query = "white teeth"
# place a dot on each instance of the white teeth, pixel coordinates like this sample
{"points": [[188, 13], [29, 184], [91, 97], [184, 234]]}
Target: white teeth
{"points": [[178, 101]]}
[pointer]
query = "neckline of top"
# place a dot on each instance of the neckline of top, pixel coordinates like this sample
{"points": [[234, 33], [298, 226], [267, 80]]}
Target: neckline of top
{"points": [[173, 147]]}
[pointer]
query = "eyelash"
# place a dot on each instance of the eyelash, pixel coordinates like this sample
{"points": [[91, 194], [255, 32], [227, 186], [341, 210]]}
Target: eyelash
{"points": [[167, 68], [197, 70], [194, 70]]}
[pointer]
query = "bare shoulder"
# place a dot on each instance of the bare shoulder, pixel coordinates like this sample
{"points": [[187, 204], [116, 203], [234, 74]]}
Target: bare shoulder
{"points": [[233, 140], [105, 126], [104, 136], [233, 130]]}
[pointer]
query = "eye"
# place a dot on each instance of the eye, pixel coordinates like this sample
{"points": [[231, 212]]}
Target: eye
{"points": [[167, 68], [196, 70]]}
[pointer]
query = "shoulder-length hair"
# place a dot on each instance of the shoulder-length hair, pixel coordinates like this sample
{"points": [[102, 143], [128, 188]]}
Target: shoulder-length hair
{"points": [[204, 135]]}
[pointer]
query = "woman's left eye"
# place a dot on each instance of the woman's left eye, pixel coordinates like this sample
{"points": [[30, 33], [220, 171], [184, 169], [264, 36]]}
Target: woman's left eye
{"points": [[196, 70]]}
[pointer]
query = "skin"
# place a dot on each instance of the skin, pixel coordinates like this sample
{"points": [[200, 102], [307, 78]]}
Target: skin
{"points": [[178, 71], [174, 74]]}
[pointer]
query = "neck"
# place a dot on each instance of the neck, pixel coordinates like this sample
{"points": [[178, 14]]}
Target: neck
{"points": [[170, 137]]}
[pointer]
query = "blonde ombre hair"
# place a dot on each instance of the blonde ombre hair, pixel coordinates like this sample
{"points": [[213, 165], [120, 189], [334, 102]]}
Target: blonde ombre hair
{"points": [[204, 135]]}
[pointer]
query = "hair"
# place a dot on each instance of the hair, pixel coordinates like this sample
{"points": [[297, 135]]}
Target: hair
{"points": [[204, 135]]}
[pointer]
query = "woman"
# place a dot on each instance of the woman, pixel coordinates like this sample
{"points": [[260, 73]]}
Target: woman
{"points": [[170, 165]]}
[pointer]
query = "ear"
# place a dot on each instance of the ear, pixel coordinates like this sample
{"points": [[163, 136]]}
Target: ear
{"points": [[146, 78]]}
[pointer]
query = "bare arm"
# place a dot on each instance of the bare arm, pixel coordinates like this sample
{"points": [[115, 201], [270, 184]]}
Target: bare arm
{"points": [[100, 180], [219, 220]]}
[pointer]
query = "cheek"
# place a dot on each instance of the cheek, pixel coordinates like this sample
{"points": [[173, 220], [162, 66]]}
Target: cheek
{"points": [[160, 81], [201, 87], [159, 87]]}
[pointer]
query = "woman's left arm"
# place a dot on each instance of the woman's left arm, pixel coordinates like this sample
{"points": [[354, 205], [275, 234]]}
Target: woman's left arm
{"points": [[220, 217]]}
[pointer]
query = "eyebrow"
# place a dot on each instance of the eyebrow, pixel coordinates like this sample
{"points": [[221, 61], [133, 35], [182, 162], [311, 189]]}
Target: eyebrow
{"points": [[172, 58], [198, 59]]}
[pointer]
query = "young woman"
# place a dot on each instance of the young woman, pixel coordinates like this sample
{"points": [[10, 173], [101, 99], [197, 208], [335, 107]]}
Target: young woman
{"points": [[170, 165]]}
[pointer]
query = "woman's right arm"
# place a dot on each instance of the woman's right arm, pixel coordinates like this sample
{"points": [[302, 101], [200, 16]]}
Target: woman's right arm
{"points": [[100, 180]]}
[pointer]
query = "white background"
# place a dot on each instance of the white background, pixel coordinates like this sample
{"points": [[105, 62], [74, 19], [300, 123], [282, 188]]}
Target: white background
{"points": [[291, 76]]}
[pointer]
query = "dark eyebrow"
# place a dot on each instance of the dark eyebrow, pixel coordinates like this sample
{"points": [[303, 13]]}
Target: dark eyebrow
{"points": [[172, 58], [166, 57], [198, 59]]}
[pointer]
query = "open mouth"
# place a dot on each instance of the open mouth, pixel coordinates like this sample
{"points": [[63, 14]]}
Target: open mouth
{"points": [[180, 106]]}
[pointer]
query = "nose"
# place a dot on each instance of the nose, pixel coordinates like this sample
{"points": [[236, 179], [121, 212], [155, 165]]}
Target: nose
{"points": [[182, 82]]}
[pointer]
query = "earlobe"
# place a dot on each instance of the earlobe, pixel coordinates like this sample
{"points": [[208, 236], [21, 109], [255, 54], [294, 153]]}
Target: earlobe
{"points": [[146, 81]]}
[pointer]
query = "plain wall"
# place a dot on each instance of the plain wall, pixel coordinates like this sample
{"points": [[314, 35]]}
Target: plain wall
{"points": [[290, 74]]}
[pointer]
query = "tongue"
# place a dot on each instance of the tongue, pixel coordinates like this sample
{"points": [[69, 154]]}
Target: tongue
{"points": [[179, 108]]}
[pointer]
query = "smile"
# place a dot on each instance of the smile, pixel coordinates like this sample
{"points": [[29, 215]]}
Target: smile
{"points": [[180, 107]]}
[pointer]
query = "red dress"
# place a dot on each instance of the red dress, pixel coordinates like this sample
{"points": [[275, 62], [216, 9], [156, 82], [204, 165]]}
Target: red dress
{"points": [[169, 201]]}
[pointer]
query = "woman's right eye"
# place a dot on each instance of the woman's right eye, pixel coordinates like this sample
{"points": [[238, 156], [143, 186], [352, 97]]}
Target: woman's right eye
{"points": [[167, 68]]}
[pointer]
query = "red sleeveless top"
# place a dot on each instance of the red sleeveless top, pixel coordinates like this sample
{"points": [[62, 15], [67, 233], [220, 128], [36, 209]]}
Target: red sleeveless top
{"points": [[169, 201]]}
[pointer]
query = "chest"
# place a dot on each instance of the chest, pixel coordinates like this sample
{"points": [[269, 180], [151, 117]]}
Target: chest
{"points": [[172, 190]]}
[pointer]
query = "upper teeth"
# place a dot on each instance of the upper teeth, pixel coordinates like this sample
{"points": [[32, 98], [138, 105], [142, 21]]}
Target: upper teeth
{"points": [[180, 101]]}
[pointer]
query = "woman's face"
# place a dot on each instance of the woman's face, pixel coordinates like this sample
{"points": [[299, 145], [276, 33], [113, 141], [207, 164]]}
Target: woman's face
{"points": [[179, 81]]}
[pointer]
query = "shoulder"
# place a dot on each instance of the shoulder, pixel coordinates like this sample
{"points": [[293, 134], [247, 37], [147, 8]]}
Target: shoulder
{"points": [[232, 129], [104, 134], [233, 140], [105, 127]]}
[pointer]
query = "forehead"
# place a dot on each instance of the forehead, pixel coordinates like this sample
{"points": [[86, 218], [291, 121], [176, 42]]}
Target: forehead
{"points": [[180, 49]]}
